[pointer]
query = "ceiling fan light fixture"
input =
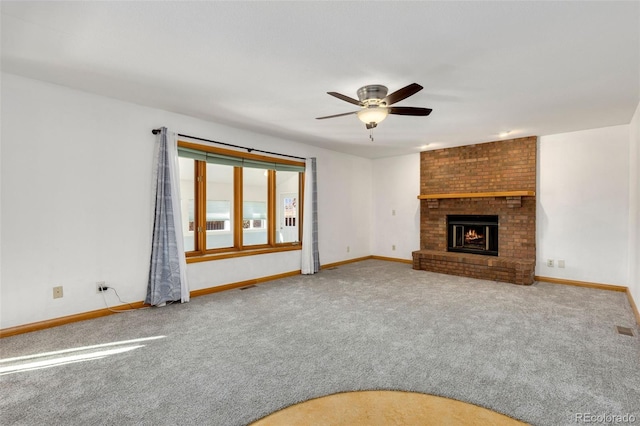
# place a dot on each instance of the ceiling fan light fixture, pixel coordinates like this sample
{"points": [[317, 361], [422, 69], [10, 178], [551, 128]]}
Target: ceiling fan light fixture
{"points": [[373, 114]]}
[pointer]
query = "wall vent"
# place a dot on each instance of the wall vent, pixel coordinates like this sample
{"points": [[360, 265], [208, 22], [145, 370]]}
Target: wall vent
{"points": [[624, 330]]}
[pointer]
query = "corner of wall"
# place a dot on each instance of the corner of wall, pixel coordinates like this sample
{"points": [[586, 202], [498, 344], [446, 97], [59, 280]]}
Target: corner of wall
{"points": [[395, 207], [634, 211]]}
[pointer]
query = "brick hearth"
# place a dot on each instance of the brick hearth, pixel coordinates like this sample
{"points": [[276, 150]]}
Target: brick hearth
{"points": [[465, 181]]}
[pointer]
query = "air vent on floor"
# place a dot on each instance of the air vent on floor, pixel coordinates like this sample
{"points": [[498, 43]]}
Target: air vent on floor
{"points": [[624, 330], [247, 287]]}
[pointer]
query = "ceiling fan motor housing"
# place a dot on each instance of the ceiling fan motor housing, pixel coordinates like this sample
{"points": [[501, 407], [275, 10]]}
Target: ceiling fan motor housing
{"points": [[372, 92]]}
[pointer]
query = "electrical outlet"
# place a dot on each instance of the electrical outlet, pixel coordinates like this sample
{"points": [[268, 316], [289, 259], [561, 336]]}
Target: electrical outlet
{"points": [[550, 263], [560, 263], [393, 247], [100, 287], [393, 212], [57, 292], [348, 249]]}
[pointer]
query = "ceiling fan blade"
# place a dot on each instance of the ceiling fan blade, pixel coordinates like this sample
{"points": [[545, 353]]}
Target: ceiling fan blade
{"points": [[345, 98], [337, 115], [409, 111], [403, 93]]}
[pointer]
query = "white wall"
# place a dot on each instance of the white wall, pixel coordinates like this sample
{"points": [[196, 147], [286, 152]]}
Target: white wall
{"points": [[583, 205], [349, 195], [634, 203], [396, 186], [76, 200]]}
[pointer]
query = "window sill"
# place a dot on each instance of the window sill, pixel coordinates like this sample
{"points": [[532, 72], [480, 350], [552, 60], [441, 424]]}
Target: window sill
{"points": [[242, 253]]}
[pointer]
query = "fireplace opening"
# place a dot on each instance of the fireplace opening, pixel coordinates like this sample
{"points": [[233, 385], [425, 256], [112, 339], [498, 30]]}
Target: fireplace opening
{"points": [[476, 234]]}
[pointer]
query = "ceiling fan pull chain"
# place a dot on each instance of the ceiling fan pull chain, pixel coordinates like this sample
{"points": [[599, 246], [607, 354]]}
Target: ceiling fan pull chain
{"points": [[371, 134]]}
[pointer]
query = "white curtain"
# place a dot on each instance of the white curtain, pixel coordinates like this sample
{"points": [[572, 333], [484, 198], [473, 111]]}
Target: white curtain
{"points": [[168, 267], [310, 256]]}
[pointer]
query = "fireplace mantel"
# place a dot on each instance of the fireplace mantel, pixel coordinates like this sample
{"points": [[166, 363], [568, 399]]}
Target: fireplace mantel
{"points": [[477, 195]]}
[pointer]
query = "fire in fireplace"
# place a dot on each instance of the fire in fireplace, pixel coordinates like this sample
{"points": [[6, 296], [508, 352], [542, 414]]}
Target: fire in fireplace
{"points": [[476, 234]]}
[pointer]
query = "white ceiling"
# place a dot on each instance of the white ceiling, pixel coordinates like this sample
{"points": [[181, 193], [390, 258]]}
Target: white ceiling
{"points": [[532, 68]]}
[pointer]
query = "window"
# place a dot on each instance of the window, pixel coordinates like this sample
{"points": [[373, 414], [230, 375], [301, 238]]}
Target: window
{"points": [[254, 205], [219, 206], [287, 188], [238, 204]]}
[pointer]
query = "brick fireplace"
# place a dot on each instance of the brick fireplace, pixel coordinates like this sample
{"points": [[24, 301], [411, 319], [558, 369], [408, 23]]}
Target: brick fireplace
{"points": [[479, 183]]}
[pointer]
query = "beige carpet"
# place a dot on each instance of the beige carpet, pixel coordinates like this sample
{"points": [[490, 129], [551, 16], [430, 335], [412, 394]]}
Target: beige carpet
{"points": [[385, 408]]}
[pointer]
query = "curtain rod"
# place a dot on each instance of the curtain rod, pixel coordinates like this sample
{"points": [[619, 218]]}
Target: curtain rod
{"points": [[156, 131]]}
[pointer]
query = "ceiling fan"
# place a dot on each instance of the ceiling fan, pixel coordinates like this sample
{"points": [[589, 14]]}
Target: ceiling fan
{"points": [[375, 105]]}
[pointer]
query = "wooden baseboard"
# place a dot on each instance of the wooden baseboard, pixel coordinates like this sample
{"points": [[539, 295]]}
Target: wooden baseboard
{"points": [[599, 286], [240, 284], [359, 259], [345, 262], [634, 307], [393, 259], [55, 322]]}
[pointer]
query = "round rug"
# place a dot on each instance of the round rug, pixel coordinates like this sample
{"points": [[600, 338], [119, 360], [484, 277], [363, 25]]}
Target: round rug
{"points": [[385, 408]]}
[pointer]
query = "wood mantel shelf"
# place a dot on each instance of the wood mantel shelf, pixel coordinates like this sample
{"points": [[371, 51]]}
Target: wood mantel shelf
{"points": [[477, 195]]}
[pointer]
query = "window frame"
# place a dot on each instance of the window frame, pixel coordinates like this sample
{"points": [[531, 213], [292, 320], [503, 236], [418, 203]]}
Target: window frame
{"points": [[200, 252]]}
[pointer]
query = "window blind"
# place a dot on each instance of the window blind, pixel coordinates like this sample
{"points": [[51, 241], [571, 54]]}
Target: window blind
{"points": [[218, 210], [228, 160], [254, 210]]}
